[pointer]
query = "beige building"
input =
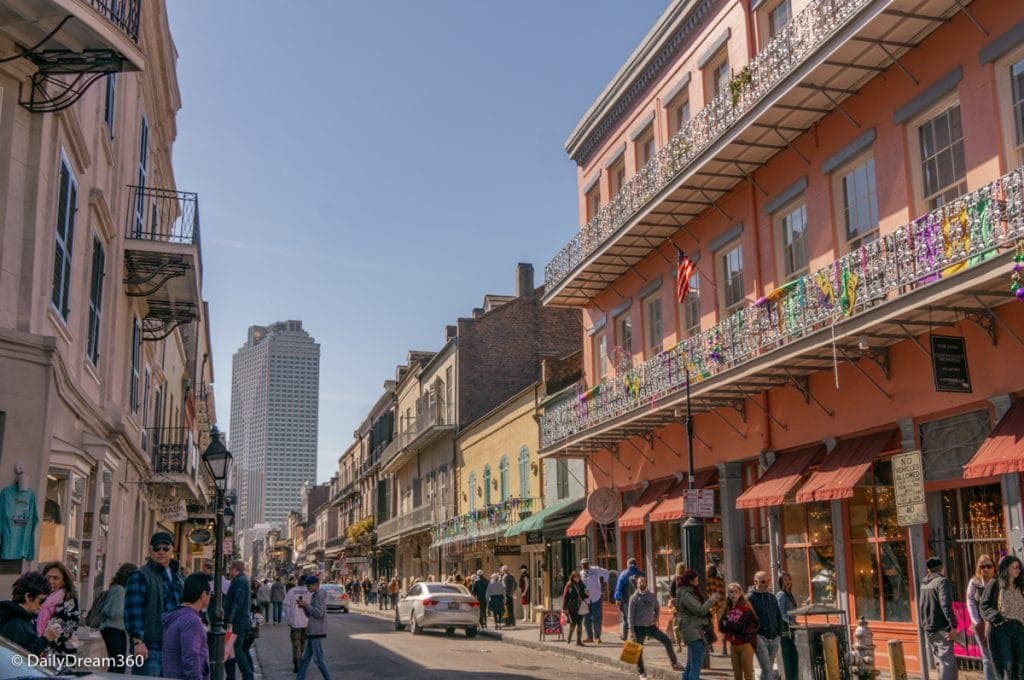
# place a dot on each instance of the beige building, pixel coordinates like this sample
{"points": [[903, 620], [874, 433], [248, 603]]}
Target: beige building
{"points": [[105, 369]]}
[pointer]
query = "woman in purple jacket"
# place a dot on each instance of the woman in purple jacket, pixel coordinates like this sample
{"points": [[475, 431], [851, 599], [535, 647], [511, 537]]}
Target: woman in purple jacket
{"points": [[186, 655]]}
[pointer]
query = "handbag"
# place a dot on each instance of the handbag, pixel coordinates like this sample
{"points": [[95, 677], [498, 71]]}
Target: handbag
{"points": [[584, 608], [630, 652]]}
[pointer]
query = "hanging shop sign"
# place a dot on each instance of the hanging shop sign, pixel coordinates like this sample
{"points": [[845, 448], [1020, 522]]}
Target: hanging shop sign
{"points": [[908, 489], [949, 364], [508, 550], [604, 505], [200, 536], [534, 537], [699, 503], [177, 512]]}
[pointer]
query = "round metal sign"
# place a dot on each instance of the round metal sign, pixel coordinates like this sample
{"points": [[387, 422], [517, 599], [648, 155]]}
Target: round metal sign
{"points": [[200, 536], [604, 505]]}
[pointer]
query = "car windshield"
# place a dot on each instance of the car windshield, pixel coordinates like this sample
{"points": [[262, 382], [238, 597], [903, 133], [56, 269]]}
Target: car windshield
{"points": [[447, 588], [332, 588], [9, 670]]}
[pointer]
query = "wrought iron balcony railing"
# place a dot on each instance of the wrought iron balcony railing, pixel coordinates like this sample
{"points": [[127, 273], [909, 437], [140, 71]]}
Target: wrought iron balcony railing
{"points": [[797, 41], [941, 244], [486, 521], [417, 518], [163, 215], [172, 450], [122, 13]]}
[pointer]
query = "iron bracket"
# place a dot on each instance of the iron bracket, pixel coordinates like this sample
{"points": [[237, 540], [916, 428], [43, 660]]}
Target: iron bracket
{"points": [[983, 319]]}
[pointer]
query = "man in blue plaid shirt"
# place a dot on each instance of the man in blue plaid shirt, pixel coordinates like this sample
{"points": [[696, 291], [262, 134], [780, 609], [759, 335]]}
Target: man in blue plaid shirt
{"points": [[155, 588]]}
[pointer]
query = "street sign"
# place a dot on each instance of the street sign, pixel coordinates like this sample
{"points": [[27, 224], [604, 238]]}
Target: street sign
{"points": [[908, 489], [699, 503]]}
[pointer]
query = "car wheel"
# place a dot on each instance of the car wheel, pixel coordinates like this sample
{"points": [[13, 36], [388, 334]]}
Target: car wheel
{"points": [[450, 630], [398, 621], [471, 631], [413, 626]]}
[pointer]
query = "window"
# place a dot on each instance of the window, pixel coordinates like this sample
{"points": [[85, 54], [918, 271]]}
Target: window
{"points": [[859, 204], [645, 147], [809, 551], [136, 351], [1017, 109], [110, 103], [624, 336], [679, 113], [653, 330], [140, 203], [793, 231], [503, 477], [67, 201], [92, 347], [616, 176], [941, 145], [778, 17], [720, 74], [689, 310], [524, 472], [600, 347], [593, 201], [561, 478], [731, 263], [487, 485]]}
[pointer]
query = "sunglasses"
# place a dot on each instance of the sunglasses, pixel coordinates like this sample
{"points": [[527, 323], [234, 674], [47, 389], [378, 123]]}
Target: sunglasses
{"points": [[163, 547], [988, 566]]}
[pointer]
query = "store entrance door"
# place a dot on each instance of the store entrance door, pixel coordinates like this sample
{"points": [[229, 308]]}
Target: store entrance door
{"points": [[973, 526]]}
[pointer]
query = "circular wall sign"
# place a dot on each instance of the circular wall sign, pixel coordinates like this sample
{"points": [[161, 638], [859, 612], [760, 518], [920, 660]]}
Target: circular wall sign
{"points": [[200, 536], [604, 505]]}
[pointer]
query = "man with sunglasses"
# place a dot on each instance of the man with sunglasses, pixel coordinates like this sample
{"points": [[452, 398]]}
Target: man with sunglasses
{"points": [[153, 589]]}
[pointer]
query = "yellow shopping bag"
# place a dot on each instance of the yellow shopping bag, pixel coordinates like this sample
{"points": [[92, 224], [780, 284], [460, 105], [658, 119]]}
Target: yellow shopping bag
{"points": [[630, 652]]}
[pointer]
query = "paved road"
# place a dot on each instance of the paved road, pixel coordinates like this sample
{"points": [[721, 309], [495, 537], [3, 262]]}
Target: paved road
{"points": [[361, 646]]}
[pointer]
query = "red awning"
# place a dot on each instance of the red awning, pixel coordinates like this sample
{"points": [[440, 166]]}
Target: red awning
{"points": [[844, 467], [580, 524], [633, 517], [671, 506], [1003, 452], [779, 480]]}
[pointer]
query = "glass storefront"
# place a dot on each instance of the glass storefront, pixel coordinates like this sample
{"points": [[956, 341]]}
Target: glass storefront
{"points": [[809, 552]]}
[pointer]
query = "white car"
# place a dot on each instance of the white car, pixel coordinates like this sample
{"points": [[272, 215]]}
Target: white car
{"points": [[438, 605], [337, 598]]}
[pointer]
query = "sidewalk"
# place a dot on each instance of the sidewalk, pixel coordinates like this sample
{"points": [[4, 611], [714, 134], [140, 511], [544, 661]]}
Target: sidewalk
{"points": [[528, 635]]}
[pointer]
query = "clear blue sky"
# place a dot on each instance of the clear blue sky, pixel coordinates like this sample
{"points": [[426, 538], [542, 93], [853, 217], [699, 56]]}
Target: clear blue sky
{"points": [[375, 168]]}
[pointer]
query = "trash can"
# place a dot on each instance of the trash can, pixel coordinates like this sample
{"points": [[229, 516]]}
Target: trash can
{"points": [[807, 638]]}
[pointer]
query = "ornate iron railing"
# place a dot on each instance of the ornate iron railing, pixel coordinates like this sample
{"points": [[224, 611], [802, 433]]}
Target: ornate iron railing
{"points": [[486, 521], [818, 22], [172, 450], [122, 13], [942, 243], [163, 215], [417, 518]]}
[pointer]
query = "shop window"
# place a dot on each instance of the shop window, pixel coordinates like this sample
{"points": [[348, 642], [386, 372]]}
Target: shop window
{"points": [[880, 576], [59, 538], [668, 551], [859, 203], [809, 552], [606, 550]]}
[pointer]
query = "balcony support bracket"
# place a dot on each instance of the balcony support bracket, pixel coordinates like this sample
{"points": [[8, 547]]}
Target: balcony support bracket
{"points": [[967, 13], [1002, 324], [593, 461], [896, 62], [791, 146], [853, 362], [983, 319], [750, 176], [639, 450], [669, 447], [740, 406], [49, 91], [147, 274], [616, 459], [732, 427], [839, 107], [802, 384], [715, 206], [768, 413]]}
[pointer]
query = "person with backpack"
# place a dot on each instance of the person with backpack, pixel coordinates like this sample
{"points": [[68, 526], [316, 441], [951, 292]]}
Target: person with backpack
{"points": [[297, 620], [277, 593], [938, 618], [624, 588], [107, 614], [263, 598]]}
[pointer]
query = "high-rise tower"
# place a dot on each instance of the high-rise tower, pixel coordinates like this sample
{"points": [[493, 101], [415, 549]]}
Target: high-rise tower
{"points": [[275, 386]]}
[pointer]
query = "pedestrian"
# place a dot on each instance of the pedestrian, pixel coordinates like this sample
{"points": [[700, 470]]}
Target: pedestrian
{"points": [[770, 624], [642, 614], [1002, 606], [509, 582], [316, 609], [576, 605], [393, 587], [739, 625], [625, 586], [153, 589], [673, 593], [112, 619], [28, 594], [263, 599], [938, 619], [479, 590], [693, 621], [595, 580], [356, 590], [277, 593], [60, 611], [186, 654], [238, 620], [496, 598], [984, 571], [787, 603], [295, 617], [524, 591], [382, 593]]}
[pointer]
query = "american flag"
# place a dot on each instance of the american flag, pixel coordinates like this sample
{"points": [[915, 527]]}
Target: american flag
{"points": [[684, 270]]}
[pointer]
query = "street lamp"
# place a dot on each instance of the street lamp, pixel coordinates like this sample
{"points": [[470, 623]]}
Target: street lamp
{"points": [[693, 527], [217, 460]]}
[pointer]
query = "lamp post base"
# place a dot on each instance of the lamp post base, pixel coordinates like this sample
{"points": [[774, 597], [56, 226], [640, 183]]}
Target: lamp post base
{"points": [[693, 547]]}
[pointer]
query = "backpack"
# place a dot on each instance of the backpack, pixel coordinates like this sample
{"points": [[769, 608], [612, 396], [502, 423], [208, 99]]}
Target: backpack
{"points": [[95, 615], [628, 588]]}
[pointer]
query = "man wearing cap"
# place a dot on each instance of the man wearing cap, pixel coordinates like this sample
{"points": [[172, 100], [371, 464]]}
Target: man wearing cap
{"points": [[153, 590], [625, 586], [315, 609], [595, 579], [938, 619]]}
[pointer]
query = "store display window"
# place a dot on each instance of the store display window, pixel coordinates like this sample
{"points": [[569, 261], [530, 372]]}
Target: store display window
{"points": [[809, 552]]}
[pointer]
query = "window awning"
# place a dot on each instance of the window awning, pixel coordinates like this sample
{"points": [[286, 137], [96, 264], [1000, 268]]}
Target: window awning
{"points": [[633, 517], [671, 506], [779, 480], [844, 467], [1003, 452], [552, 513], [579, 526]]}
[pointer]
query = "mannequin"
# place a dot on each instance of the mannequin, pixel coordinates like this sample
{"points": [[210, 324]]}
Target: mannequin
{"points": [[19, 476]]}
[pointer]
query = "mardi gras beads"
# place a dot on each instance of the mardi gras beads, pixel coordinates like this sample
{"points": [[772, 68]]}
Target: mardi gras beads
{"points": [[1017, 276]]}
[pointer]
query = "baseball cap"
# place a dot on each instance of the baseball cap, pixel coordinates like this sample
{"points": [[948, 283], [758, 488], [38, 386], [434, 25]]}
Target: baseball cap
{"points": [[161, 537], [310, 580]]}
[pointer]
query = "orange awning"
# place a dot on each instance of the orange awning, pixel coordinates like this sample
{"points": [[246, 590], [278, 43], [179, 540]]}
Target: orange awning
{"points": [[580, 524], [844, 467], [1003, 452], [671, 506], [779, 480], [633, 517]]}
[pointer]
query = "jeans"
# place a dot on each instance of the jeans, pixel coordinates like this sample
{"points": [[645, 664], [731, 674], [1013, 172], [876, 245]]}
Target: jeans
{"points": [[642, 633], [623, 621], [153, 666], [265, 610], [790, 658], [766, 651], [242, 661], [742, 661], [988, 668], [314, 650], [510, 610], [1006, 643], [942, 651], [276, 606], [483, 611], [594, 620], [694, 658]]}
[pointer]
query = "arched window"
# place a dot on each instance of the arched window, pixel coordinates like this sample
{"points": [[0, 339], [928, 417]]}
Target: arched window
{"points": [[524, 472], [504, 478], [487, 485], [472, 491]]}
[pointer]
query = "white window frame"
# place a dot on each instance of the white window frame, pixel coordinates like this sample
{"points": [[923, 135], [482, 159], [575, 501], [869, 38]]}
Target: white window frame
{"points": [[654, 324], [780, 221], [599, 346], [624, 321], [110, 104], [678, 116], [1004, 92], [616, 176], [914, 145], [95, 318], [838, 192], [643, 141], [688, 311], [524, 472], [713, 72], [64, 238], [721, 260], [765, 13]]}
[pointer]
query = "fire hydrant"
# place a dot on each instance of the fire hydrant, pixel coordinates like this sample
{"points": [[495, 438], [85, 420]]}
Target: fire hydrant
{"points": [[862, 657]]}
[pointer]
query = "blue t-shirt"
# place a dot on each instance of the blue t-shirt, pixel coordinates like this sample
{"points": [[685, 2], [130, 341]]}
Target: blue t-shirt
{"points": [[18, 519]]}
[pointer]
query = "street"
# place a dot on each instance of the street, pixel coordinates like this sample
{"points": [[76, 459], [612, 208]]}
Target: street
{"points": [[360, 646]]}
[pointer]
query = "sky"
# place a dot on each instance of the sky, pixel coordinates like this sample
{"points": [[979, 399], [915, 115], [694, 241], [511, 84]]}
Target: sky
{"points": [[375, 168]]}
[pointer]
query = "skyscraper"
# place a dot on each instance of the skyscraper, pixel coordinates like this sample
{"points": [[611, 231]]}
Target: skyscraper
{"points": [[275, 386]]}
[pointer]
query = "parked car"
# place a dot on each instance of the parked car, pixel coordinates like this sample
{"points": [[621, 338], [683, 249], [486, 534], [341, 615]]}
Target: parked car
{"points": [[337, 598], [14, 666], [438, 605]]}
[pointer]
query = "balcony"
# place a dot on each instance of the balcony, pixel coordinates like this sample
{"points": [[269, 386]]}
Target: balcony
{"points": [[417, 520], [824, 55], [943, 267], [485, 523], [175, 459], [71, 44], [391, 450], [163, 260]]}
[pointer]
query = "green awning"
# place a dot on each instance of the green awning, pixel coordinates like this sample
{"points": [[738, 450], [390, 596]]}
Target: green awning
{"points": [[554, 512]]}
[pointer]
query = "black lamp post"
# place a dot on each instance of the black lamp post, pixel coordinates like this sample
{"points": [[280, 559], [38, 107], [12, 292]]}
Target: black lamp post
{"points": [[217, 460], [693, 527]]}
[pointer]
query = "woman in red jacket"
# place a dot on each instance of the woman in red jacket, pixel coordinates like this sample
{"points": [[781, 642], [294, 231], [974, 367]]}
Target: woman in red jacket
{"points": [[739, 626]]}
